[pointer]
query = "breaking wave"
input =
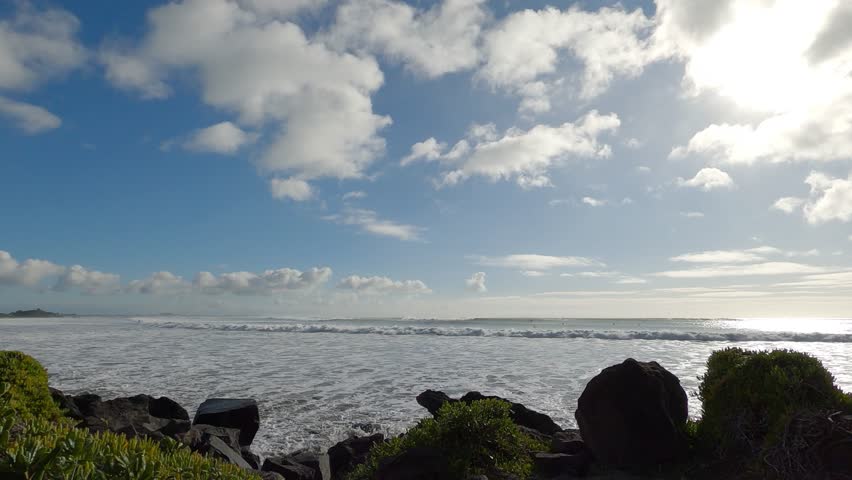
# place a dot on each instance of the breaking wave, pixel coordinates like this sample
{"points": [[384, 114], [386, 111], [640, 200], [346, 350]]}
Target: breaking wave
{"points": [[397, 330]]}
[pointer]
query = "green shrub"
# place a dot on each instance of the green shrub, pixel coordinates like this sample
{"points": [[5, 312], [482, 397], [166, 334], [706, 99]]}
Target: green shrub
{"points": [[475, 438], [28, 394], [36, 444], [749, 397]]}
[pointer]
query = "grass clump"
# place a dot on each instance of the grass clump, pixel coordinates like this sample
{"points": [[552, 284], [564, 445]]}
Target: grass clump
{"points": [[28, 395], [475, 438], [35, 442], [750, 397]]}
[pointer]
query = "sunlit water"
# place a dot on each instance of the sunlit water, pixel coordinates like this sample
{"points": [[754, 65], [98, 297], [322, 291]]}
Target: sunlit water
{"points": [[316, 381]]}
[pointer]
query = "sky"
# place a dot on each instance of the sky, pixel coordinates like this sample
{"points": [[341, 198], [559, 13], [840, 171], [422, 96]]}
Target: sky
{"points": [[438, 159]]}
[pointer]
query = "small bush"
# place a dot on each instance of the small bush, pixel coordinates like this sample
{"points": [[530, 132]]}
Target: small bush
{"points": [[36, 444], [749, 397], [475, 438], [28, 394]]}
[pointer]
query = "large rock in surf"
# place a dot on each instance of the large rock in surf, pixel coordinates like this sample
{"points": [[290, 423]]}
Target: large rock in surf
{"points": [[290, 469], [345, 455], [633, 415], [239, 413], [419, 463], [432, 400], [140, 415]]}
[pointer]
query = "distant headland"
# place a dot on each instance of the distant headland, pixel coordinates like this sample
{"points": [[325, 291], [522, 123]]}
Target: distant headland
{"points": [[37, 313]]}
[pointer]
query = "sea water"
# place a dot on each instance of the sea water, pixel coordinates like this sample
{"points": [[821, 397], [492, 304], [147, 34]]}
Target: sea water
{"points": [[317, 381]]}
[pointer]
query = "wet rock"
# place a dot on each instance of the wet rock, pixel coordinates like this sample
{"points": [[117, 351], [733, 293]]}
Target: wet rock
{"points": [[66, 404], [219, 449], [140, 415], [345, 455], [521, 415], [250, 457], [633, 415], [433, 400], [567, 441], [198, 436], [241, 414], [414, 464]]}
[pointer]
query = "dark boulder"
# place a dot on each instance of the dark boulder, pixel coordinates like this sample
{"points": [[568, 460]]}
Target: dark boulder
{"points": [[549, 465], [290, 469], [241, 414], [345, 455], [433, 400], [270, 476], [306, 458], [219, 449], [419, 463], [521, 415], [140, 415], [633, 415], [250, 457], [567, 441], [218, 442]]}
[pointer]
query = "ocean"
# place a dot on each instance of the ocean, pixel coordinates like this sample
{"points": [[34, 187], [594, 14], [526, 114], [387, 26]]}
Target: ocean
{"points": [[319, 380]]}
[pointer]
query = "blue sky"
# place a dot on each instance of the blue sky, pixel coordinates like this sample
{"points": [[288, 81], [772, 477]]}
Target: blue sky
{"points": [[447, 159]]}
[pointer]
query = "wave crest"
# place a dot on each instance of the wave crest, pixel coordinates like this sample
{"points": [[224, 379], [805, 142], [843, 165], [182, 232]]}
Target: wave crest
{"points": [[397, 330]]}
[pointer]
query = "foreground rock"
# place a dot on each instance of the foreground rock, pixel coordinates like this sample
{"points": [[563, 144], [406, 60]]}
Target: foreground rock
{"points": [[290, 469], [633, 415], [137, 416], [344, 456], [432, 400], [239, 413], [414, 464]]}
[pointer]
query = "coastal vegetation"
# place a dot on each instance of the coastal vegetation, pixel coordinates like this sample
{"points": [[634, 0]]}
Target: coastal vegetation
{"points": [[766, 414]]}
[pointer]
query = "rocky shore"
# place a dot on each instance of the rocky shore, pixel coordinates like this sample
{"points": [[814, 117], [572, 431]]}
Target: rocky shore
{"points": [[632, 420]]}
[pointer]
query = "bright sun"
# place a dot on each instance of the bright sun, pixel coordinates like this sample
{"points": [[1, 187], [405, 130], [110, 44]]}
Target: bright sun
{"points": [[759, 60]]}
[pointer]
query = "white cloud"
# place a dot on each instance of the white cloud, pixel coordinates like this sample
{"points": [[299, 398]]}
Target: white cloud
{"points": [[722, 256], [524, 51], [432, 43], [265, 283], [593, 202], [533, 273], [28, 273], [533, 262], [368, 221], [785, 60], [643, 169], [354, 195], [429, 149], [382, 286], [268, 73], [282, 8], [527, 156], [633, 143], [692, 214], [626, 280], [831, 199], [159, 283], [708, 179], [476, 283], [89, 281], [788, 204], [38, 45], [225, 138], [31, 119], [292, 188], [755, 269]]}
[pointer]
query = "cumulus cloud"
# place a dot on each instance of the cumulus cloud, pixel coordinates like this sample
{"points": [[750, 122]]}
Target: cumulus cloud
{"points": [[525, 156], [265, 71], [265, 283], [523, 52], [159, 283], [368, 221], [593, 202], [433, 42], [28, 273], [88, 281], [31, 119], [476, 283], [788, 204], [533, 262], [293, 188], [830, 199], [225, 138], [429, 149], [382, 286], [354, 195], [795, 72], [36, 45], [708, 179]]}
